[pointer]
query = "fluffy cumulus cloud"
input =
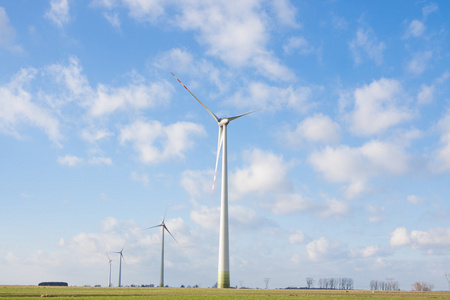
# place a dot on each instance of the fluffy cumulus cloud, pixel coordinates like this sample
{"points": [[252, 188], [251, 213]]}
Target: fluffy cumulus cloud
{"points": [[140, 96], [232, 31], [434, 238], [322, 248], [58, 12], [19, 107], [155, 142], [105, 100], [236, 33], [357, 165], [264, 171], [377, 107], [365, 44], [315, 129]]}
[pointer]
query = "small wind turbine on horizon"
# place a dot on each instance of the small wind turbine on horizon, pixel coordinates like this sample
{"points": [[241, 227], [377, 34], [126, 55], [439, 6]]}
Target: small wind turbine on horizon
{"points": [[223, 280], [120, 265], [163, 227], [109, 262]]}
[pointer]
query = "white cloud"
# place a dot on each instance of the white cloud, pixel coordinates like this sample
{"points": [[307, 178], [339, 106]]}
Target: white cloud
{"points": [[415, 28], [145, 10], [419, 62], [285, 13], [441, 157], [98, 160], [134, 96], [245, 218], [264, 171], [298, 44], [296, 237], [94, 135], [357, 165], [155, 142], [414, 199], [7, 34], [235, 32], [334, 207], [376, 107], [58, 12], [142, 178], [367, 43], [429, 9], [176, 58], [365, 252], [426, 94], [197, 183], [17, 107], [321, 249], [113, 19], [207, 217], [105, 100], [70, 160], [258, 94], [72, 77], [433, 239], [289, 203], [316, 129]]}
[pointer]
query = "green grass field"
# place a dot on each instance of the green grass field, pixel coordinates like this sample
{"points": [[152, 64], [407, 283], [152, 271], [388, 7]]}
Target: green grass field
{"points": [[94, 293]]}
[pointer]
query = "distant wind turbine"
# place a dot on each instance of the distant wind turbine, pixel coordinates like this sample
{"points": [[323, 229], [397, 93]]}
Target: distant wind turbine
{"points": [[163, 227], [223, 280], [120, 265], [109, 262]]}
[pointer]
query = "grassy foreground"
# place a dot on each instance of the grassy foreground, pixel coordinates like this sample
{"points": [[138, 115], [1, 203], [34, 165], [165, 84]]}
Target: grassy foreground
{"points": [[94, 293]]}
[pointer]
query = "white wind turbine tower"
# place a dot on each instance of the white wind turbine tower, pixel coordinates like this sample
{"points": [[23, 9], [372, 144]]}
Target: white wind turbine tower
{"points": [[223, 280], [120, 265], [109, 277], [163, 227]]}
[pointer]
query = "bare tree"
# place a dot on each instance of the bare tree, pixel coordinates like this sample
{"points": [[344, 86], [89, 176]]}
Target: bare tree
{"points": [[422, 286], [309, 282]]}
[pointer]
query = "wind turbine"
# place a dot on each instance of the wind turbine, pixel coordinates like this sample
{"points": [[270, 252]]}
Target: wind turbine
{"points": [[223, 277], [163, 227], [120, 265], [110, 261]]}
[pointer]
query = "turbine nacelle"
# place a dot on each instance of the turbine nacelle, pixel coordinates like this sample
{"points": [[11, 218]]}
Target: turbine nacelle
{"points": [[224, 121]]}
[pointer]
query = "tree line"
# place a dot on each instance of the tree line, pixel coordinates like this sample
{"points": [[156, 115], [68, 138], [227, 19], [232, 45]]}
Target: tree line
{"points": [[342, 283], [378, 285]]}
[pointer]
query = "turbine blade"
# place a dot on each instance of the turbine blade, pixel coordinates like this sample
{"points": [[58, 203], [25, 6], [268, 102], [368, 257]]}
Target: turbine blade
{"points": [[219, 147], [235, 117], [211, 113], [167, 229], [148, 228], [166, 211]]}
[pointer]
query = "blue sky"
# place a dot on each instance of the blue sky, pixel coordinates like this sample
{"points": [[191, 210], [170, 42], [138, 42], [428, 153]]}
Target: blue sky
{"points": [[346, 175]]}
